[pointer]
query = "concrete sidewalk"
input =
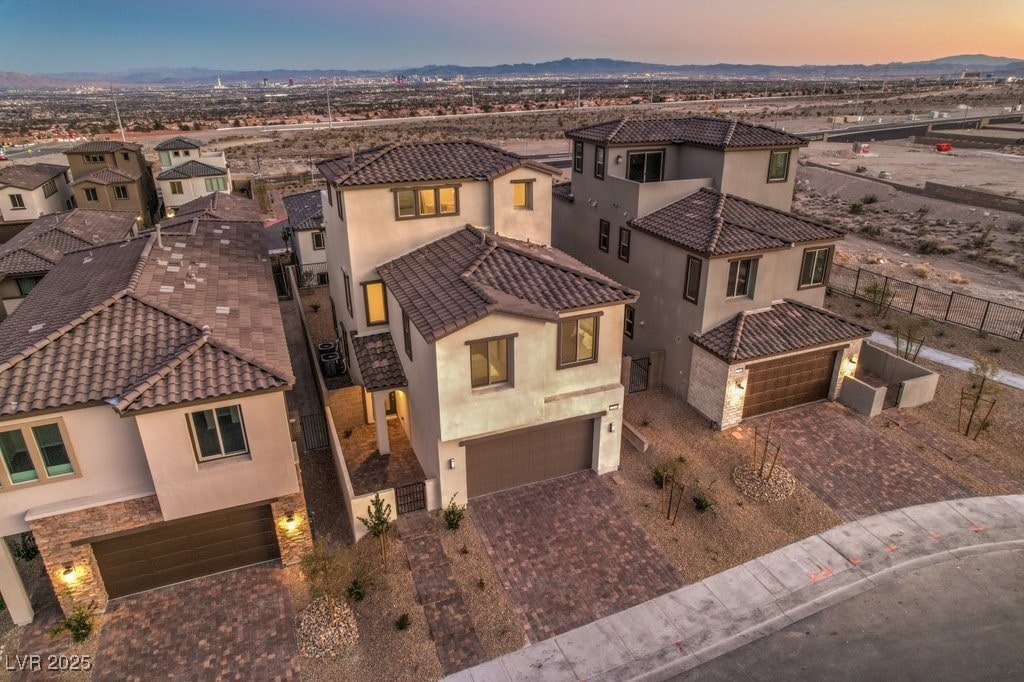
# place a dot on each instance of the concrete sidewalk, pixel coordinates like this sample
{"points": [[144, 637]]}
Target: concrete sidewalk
{"points": [[690, 626]]}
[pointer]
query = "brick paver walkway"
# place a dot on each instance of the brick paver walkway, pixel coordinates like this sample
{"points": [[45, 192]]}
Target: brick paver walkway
{"points": [[231, 626], [852, 467], [568, 553]]}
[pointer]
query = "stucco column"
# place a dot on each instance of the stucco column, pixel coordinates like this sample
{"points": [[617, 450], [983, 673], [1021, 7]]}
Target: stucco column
{"points": [[15, 596], [380, 421]]}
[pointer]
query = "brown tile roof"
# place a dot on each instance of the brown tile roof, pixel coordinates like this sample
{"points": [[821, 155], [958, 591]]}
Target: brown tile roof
{"points": [[140, 325], [424, 162], [42, 243], [108, 176], [563, 191], [702, 131], [305, 211], [214, 206], [103, 146], [711, 223], [30, 176], [191, 169], [783, 328], [178, 143], [456, 280], [379, 363]]}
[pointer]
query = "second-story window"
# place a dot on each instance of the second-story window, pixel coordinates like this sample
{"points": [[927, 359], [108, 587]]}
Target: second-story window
{"points": [[577, 341], [778, 167], [348, 292], [95, 158], [603, 235], [121, 192], [17, 201], [629, 322], [376, 299], [426, 201], [814, 271], [49, 188], [91, 194], [318, 241], [577, 156], [741, 278], [599, 155], [27, 284], [490, 361], [216, 184], [341, 213], [218, 433], [645, 166], [691, 290], [407, 334], [34, 453], [522, 195], [624, 238], [176, 187]]}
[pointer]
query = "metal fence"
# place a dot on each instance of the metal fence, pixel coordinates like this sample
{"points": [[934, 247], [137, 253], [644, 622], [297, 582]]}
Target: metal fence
{"points": [[312, 275], [967, 311], [639, 373]]}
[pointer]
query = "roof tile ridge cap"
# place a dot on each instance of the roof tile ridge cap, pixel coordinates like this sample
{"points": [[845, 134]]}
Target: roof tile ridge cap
{"points": [[258, 363], [737, 335], [830, 313], [489, 245], [133, 282], [593, 277], [731, 132], [169, 365], [62, 330], [36, 253], [719, 223], [385, 149], [161, 308], [611, 135]]}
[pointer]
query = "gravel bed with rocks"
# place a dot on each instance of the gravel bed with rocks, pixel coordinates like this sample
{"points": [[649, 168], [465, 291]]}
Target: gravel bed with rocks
{"points": [[751, 483], [326, 628]]}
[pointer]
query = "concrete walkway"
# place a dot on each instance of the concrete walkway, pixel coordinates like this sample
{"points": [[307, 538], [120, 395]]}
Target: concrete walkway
{"points": [[1010, 379], [681, 630]]}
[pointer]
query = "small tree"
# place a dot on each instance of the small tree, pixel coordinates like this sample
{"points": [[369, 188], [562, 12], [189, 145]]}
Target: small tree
{"points": [[910, 338], [980, 394], [378, 523], [880, 296]]}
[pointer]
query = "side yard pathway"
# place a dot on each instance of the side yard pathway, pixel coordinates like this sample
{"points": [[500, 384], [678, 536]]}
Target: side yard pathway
{"points": [[956, 361], [447, 616]]}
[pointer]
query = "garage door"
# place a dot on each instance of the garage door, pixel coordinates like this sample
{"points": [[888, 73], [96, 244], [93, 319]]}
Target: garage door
{"points": [[788, 382], [529, 456], [186, 548]]}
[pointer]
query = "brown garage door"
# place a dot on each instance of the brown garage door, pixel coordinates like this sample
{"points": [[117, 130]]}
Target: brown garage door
{"points": [[529, 456], [186, 548], [788, 382]]}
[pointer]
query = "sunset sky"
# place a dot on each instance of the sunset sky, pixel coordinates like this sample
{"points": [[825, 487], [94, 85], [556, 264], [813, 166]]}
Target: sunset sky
{"points": [[44, 36]]}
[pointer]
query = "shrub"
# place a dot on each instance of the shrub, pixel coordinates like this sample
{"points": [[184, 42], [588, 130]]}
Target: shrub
{"points": [[403, 622], [702, 500], [856, 208], [922, 270], [453, 514], [78, 624], [315, 307], [24, 549], [326, 570], [356, 590], [659, 473], [869, 199], [934, 245], [378, 523]]}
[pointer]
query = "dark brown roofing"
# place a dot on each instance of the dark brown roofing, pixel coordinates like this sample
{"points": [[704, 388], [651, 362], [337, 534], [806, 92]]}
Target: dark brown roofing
{"points": [[30, 176], [456, 280], [42, 243], [178, 143], [140, 325], [702, 131], [424, 162], [191, 169], [108, 176], [563, 191], [103, 146], [214, 206], [305, 211], [714, 224], [783, 328], [378, 361]]}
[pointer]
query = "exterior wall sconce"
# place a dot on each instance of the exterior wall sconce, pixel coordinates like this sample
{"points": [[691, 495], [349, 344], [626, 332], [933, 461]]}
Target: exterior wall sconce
{"points": [[290, 522], [618, 159], [850, 366], [68, 575], [740, 385], [611, 427], [451, 463]]}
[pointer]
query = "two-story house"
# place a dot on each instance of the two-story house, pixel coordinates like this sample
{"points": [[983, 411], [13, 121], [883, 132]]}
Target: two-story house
{"points": [[692, 213], [33, 252], [499, 354], [32, 190], [144, 437], [187, 172], [306, 231], [114, 176]]}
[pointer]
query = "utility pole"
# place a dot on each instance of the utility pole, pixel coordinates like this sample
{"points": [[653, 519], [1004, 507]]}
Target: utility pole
{"points": [[118, 112], [330, 121], [578, 95]]}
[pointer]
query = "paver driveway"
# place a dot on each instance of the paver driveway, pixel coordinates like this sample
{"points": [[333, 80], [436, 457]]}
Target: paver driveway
{"points": [[852, 467], [568, 553], [230, 626]]}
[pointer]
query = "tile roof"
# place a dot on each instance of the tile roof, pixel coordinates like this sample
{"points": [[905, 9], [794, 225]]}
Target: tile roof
{"points": [[563, 191], [423, 162], [191, 169], [379, 363], [45, 241], [30, 175], [178, 143], [702, 131], [305, 211], [214, 206], [103, 146], [108, 176], [711, 223], [783, 328], [456, 280], [150, 322]]}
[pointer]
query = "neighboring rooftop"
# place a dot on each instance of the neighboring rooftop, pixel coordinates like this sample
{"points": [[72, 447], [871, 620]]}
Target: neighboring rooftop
{"points": [[785, 327], [702, 131], [138, 326], [100, 146], [563, 190], [178, 143], [456, 280], [214, 206], [191, 169], [379, 364], [108, 176], [305, 211], [423, 162], [713, 224], [44, 242], [30, 175]]}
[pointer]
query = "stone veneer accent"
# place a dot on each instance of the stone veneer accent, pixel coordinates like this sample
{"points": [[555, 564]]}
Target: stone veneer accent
{"points": [[347, 406], [294, 544]]}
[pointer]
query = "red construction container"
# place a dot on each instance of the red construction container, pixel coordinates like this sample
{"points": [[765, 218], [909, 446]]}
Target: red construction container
{"points": [[943, 147]]}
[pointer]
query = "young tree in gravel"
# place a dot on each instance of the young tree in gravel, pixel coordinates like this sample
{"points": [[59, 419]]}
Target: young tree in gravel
{"points": [[981, 393], [378, 523]]}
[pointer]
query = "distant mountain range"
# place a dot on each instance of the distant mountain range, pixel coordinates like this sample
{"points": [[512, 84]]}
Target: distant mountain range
{"points": [[566, 68]]}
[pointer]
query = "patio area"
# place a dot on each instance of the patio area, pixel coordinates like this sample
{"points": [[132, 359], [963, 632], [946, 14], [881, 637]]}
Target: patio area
{"points": [[369, 470]]}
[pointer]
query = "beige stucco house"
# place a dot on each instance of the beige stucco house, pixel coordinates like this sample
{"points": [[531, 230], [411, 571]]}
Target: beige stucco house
{"points": [[144, 436], [693, 214], [500, 354], [187, 172], [306, 234], [114, 176], [28, 191]]}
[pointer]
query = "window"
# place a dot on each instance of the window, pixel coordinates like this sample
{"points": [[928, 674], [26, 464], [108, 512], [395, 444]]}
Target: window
{"points": [[603, 231], [17, 201], [348, 292], [624, 237], [120, 191], [426, 201], [32, 453], [741, 277], [376, 300], [177, 153], [55, 456], [176, 187], [216, 184], [645, 166], [599, 154], [95, 158], [17, 459], [318, 240], [815, 267], [341, 214], [184, 153], [489, 361], [218, 432], [50, 187], [577, 157], [778, 167], [27, 284], [165, 158], [691, 291], [630, 321], [577, 341], [91, 194], [407, 334], [522, 194], [124, 155]]}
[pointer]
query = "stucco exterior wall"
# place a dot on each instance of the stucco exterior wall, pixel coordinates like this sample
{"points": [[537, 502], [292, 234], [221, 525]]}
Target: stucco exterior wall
{"points": [[304, 251], [192, 188], [745, 174], [36, 204], [533, 225]]}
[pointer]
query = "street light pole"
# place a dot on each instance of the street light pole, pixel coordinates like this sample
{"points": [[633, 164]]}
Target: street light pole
{"points": [[330, 121], [118, 112]]}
